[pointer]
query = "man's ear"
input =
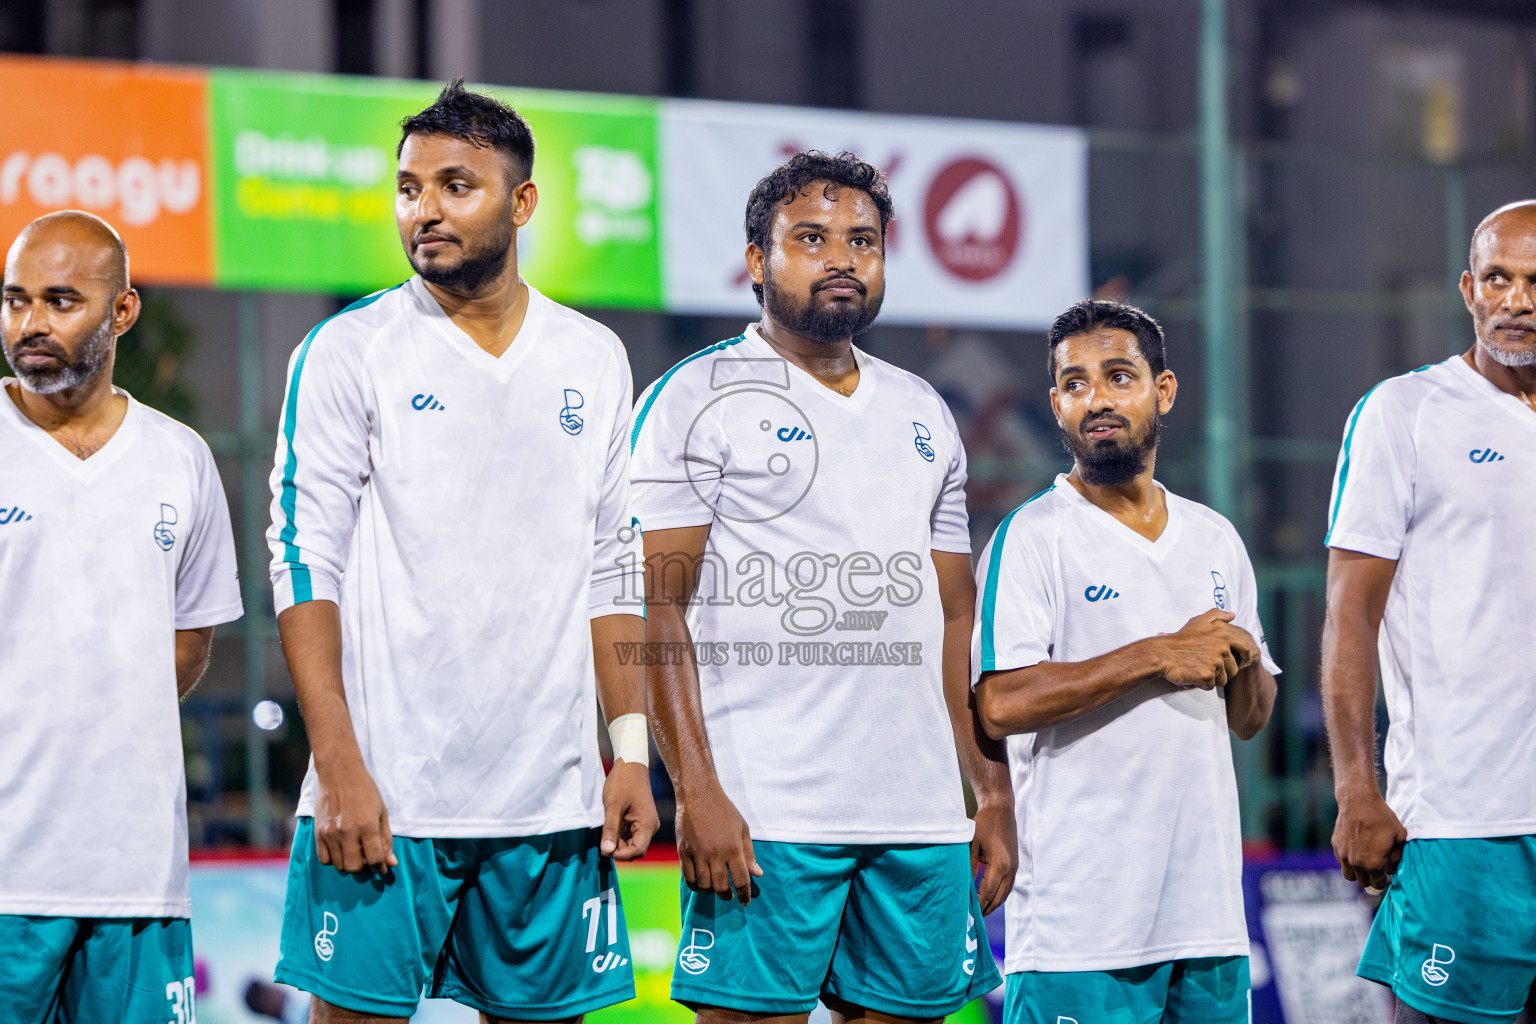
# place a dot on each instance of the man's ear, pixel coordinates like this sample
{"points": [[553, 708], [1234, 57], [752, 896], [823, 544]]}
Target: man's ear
{"points": [[755, 260], [1468, 288], [1056, 407], [525, 197], [1167, 391], [125, 312]]}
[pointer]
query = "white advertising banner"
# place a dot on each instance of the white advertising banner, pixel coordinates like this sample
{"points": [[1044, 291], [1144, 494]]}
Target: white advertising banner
{"points": [[991, 221]]}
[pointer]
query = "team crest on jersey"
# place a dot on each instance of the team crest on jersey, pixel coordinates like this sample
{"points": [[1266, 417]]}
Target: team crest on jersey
{"points": [[1219, 594], [920, 442], [163, 534], [570, 422]]}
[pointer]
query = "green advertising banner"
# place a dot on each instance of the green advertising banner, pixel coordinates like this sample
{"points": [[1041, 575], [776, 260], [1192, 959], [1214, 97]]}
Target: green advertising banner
{"points": [[304, 169]]}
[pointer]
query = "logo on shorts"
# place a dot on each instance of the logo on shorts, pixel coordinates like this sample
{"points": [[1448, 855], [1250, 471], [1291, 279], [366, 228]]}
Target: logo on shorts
{"points": [[971, 943], [1066, 1020], [324, 947], [1434, 969], [691, 958], [608, 960]]}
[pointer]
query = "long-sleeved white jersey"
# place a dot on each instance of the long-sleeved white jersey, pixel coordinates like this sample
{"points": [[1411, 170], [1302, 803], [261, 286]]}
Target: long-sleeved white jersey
{"points": [[470, 516]]}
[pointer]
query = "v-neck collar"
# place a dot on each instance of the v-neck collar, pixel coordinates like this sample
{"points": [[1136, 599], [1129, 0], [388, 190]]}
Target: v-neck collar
{"points": [[501, 367], [1156, 549], [84, 470], [853, 403], [1502, 399]]}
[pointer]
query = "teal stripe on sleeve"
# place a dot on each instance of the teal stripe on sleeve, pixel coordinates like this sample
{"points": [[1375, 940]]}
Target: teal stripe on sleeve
{"points": [[635, 522], [989, 596], [299, 574], [1349, 436], [650, 400]]}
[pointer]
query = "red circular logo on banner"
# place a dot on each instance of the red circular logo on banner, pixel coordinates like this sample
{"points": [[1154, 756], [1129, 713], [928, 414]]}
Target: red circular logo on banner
{"points": [[974, 219]]}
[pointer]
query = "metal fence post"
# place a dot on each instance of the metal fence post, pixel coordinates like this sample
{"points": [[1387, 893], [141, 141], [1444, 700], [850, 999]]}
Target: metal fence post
{"points": [[1220, 250]]}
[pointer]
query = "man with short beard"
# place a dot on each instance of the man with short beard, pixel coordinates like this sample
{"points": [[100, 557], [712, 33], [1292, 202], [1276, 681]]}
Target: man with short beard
{"points": [[116, 562], [804, 509], [1117, 644], [450, 536], [1432, 529]]}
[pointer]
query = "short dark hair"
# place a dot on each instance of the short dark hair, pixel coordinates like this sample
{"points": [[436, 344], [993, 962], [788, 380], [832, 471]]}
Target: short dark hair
{"points": [[799, 172], [479, 120], [1094, 314]]}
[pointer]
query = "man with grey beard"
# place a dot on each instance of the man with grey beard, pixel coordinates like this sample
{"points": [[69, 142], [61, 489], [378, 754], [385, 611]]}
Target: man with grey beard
{"points": [[1430, 540], [116, 562]]}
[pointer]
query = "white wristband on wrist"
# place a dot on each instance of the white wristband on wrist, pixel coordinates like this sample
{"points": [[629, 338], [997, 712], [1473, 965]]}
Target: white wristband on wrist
{"points": [[631, 740]]}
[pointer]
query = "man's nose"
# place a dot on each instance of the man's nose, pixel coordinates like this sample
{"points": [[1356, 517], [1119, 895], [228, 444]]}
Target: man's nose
{"points": [[36, 320], [1520, 299]]}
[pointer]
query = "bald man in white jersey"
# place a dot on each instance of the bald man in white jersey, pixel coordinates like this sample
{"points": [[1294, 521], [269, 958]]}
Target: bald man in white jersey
{"points": [[116, 562], [1432, 531]]}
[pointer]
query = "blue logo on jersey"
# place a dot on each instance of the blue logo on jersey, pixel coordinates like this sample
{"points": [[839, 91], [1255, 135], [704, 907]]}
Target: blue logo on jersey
{"points": [[13, 515], [163, 535], [1220, 593], [426, 403], [920, 442], [1486, 455], [791, 434], [569, 421], [1102, 592]]}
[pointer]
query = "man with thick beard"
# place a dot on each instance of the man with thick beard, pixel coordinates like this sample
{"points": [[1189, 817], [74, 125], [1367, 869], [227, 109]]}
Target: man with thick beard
{"points": [[1117, 643], [809, 611], [1431, 536], [450, 532], [116, 562]]}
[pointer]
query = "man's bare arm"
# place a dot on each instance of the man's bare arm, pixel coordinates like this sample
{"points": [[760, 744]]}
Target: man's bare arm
{"points": [[714, 846], [1207, 652], [351, 822], [193, 647], [1368, 837], [1250, 699], [629, 811], [982, 758]]}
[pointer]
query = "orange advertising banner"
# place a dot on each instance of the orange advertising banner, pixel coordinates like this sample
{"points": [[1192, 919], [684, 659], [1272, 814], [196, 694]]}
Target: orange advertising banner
{"points": [[125, 142]]}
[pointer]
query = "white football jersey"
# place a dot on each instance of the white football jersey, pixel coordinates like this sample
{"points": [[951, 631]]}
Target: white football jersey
{"points": [[1438, 471], [1130, 846], [470, 515], [816, 618], [102, 560]]}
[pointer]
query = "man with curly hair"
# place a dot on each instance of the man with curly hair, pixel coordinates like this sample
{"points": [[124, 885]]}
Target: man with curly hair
{"points": [[817, 716]]}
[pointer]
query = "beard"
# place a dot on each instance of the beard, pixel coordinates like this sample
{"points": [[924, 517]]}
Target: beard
{"points": [[1515, 358], [827, 323], [1112, 463], [476, 268], [90, 359]]}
